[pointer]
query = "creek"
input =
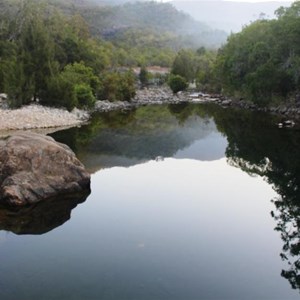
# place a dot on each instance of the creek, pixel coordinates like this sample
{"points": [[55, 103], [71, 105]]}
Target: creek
{"points": [[189, 201]]}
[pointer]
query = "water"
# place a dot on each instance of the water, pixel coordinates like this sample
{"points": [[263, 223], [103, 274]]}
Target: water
{"points": [[188, 202]]}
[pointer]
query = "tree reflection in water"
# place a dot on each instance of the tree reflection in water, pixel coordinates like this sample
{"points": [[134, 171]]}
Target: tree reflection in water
{"points": [[255, 144]]}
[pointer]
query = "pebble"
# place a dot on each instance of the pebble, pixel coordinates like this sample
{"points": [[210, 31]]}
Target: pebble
{"points": [[36, 116]]}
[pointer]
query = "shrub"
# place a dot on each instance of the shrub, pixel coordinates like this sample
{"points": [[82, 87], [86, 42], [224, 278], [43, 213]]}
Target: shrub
{"points": [[60, 93], [84, 95], [177, 83]]}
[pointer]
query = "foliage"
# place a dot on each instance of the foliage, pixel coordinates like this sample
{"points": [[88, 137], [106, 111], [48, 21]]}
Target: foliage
{"points": [[52, 58], [60, 92], [144, 33], [79, 73], [144, 76], [117, 86], [262, 62], [196, 65], [183, 64], [74, 49], [177, 83], [205, 74], [150, 18], [84, 95]]}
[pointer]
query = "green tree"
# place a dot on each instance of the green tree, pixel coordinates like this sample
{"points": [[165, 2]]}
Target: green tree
{"points": [[118, 86], [60, 93], [205, 77], [82, 83], [31, 62], [84, 95], [177, 83], [144, 76], [78, 73], [261, 63], [184, 65], [127, 86]]}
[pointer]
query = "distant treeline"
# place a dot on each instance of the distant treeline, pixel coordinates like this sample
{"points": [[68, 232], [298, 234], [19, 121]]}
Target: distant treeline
{"points": [[64, 54], [52, 58], [260, 64]]}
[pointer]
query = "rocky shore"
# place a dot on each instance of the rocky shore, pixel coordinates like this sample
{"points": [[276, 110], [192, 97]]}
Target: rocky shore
{"points": [[155, 96], [38, 117], [164, 95], [288, 110], [147, 96]]}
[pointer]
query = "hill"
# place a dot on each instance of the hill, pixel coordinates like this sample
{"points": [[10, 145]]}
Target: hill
{"points": [[146, 32], [152, 19]]}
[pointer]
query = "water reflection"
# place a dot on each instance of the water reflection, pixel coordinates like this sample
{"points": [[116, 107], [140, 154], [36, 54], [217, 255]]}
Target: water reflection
{"points": [[253, 143], [259, 148], [41, 217], [249, 141], [133, 137]]}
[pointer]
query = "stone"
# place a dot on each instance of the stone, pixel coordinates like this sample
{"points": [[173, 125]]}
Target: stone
{"points": [[226, 102], [81, 114], [3, 96], [35, 168], [283, 110]]}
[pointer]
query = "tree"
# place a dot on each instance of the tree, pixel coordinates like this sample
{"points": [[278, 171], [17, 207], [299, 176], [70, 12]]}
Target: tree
{"points": [[205, 77], [84, 95], [82, 83], [118, 86], [177, 83], [261, 63], [60, 93], [127, 86], [144, 76], [32, 61], [184, 66]]}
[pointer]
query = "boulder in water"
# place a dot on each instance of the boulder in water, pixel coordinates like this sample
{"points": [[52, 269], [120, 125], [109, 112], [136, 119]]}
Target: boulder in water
{"points": [[35, 168]]}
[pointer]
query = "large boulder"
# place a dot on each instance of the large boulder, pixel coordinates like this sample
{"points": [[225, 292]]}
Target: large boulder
{"points": [[35, 168]]}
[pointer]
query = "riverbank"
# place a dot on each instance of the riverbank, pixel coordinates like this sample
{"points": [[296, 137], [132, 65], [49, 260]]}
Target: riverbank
{"points": [[37, 117], [163, 95], [44, 119], [157, 96]]}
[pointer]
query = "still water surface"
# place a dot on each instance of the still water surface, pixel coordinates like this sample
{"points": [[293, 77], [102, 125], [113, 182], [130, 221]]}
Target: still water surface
{"points": [[180, 208]]}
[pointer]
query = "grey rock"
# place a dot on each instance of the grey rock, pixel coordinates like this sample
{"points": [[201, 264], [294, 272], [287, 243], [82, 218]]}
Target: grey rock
{"points": [[226, 102], [35, 168]]}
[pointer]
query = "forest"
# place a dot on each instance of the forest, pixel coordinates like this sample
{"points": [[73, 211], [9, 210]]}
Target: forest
{"points": [[70, 53], [260, 64], [52, 58]]}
